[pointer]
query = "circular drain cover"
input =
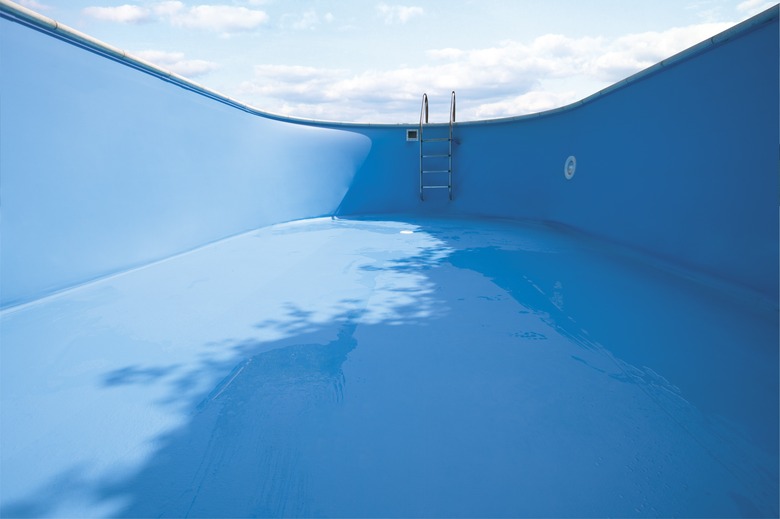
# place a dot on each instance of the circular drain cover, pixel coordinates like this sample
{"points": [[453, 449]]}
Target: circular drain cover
{"points": [[570, 167]]}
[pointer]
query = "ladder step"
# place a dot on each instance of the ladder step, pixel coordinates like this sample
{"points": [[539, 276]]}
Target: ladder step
{"points": [[442, 139], [435, 187], [436, 171], [436, 155]]}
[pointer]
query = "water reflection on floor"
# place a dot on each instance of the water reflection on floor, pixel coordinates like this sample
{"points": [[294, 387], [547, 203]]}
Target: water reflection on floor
{"points": [[392, 368]]}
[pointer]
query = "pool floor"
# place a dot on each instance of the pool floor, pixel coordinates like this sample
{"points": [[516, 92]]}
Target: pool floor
{"points": [[395, 368]]}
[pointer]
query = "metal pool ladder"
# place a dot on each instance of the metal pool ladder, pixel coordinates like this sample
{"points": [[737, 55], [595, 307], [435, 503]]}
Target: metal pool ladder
{"points": [[432, 153]]}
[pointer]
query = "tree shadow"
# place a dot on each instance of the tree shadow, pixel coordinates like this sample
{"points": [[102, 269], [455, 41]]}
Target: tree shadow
{"points": [[237, 455], [138, 375]]}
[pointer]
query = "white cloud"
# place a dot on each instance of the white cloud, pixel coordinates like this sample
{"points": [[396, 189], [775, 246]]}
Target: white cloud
{"points": [[122, 14], [398, 13], [219, 18], [448, 53], [307, 20], [34, 5], [311, 90], [528, 103], [168, 8], [175, 62], [292, 83], [751, 7], [634, 52], [512, 78], [225, 19]]}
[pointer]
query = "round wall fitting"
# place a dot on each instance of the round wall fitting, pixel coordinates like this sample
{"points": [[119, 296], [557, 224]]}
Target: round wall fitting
{"points": [[570, 167]]}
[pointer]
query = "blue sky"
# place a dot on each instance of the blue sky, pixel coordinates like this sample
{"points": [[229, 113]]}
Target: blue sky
{"points": [[370, 61]]}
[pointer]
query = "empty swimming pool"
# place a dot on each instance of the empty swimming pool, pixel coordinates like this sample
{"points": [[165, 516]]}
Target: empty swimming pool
{"points": [[211, 311]]}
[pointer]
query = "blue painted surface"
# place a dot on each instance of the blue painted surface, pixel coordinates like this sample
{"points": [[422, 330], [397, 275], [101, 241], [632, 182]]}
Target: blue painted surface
{"points": [[608, 350], [343, 368], [105, 168]]}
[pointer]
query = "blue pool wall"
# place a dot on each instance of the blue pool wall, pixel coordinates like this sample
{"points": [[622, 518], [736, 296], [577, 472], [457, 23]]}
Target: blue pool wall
{"points": [[108, 164], [105, 168]]}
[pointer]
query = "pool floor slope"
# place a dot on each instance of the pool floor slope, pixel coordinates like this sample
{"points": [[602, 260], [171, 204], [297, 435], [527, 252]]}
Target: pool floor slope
{"points": [[391, 367]]}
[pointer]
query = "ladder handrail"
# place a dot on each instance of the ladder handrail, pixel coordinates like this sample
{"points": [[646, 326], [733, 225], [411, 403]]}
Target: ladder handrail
{"points": [[424, 110], [449, 158], [452, 108]]}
